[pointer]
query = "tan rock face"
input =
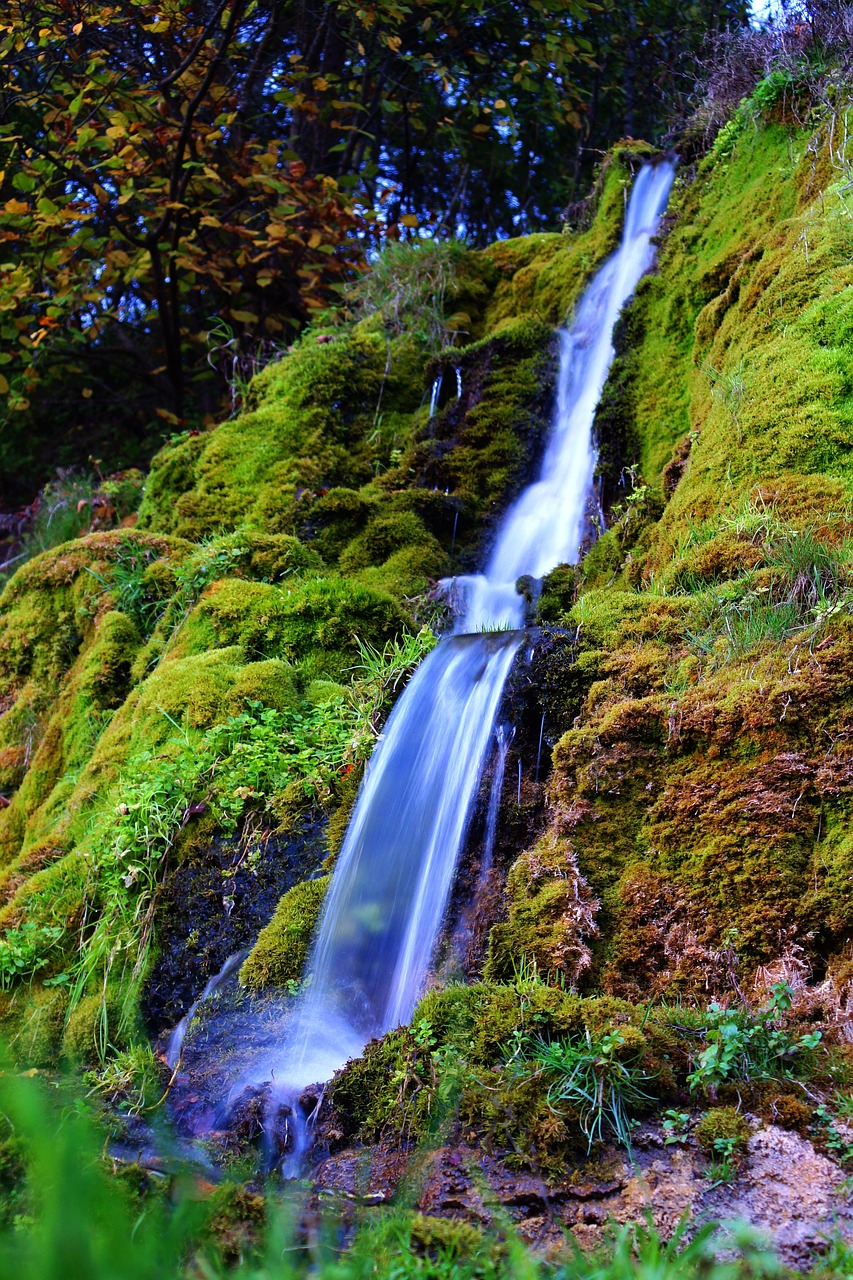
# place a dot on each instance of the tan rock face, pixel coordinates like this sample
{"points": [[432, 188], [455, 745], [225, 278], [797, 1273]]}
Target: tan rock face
{"points": [[785, 1189], [789, 1190]]}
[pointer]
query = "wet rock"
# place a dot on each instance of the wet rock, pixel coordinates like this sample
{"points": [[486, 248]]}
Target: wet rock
{"points": [[215, 902], [365, 1175]]}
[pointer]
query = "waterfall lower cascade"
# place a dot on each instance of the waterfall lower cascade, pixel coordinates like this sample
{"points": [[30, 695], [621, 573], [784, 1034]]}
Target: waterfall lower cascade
{"points": [[391, 884]]}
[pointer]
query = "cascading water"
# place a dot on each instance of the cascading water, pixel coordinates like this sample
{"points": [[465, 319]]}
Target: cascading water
{"points": [[543, 527], [394, 874]]}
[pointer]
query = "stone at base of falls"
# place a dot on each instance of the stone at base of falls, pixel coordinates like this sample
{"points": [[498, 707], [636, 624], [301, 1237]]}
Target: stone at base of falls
{"points": [[785, 1189]]}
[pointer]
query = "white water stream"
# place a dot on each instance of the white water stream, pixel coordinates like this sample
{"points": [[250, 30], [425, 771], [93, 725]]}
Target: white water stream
{"points": [[390, 888]]}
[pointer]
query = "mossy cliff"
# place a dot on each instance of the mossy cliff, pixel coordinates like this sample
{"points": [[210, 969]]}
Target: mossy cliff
{"points": [[213, 678], [189, 698], [702, 796]]}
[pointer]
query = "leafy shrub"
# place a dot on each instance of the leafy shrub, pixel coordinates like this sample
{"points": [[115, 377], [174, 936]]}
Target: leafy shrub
{"points": [[25, 950], [743, 1047]]}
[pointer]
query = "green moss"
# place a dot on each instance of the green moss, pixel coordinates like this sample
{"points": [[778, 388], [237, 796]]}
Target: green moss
{"points": [[316, 623], [309, 428], [322, 691], [32, 1025], [722, 1124], [270, 682], [381, 1091], [446, 1239], [332, 520], [237, 1220], [278, 957], [483, 446], [81, 1038], [383, 536]]}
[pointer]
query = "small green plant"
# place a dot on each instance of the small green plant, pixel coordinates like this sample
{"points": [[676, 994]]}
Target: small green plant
{"points": [[675, 1127], [131, 1080], [723, 1134], [600, 1076], [836, 1139], [25, 950], [739, 1046], [724, 1167], [408, 285], [128, 585], [228, 356]]}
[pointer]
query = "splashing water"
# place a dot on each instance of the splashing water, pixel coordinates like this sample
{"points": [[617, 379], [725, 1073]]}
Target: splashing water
{"points": [[390, 888]]}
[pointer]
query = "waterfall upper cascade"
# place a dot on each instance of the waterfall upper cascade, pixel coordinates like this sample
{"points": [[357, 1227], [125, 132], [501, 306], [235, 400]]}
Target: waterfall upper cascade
{"points": [[391, 884]]}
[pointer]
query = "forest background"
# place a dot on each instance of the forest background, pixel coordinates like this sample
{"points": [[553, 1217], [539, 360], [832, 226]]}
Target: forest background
{"points": [[184, 186]]}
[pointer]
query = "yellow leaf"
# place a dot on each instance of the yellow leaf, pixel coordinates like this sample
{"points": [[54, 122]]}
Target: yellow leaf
{"points": [[314, 239], [166, 416], [321, 84], [77, 28], [87, 393], [244, 317], [4, 385], [16, 206], [499, 104], [409, 220]]}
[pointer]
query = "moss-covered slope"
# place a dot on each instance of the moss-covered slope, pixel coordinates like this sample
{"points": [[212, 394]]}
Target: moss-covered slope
{"points": [[703, 795], [220, 670]]}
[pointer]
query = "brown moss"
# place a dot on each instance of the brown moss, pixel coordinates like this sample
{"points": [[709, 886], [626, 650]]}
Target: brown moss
{"points": [[551, 915]]}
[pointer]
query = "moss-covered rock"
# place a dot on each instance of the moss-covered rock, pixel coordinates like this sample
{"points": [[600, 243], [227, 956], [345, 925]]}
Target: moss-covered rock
{"points": [[278, 957], [722, 1128], [551, 915]]}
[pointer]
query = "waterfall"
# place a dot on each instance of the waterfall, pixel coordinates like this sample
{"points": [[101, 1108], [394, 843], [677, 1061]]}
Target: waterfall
{"points": [[504, 735], [394, 873], [543, 527]]}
